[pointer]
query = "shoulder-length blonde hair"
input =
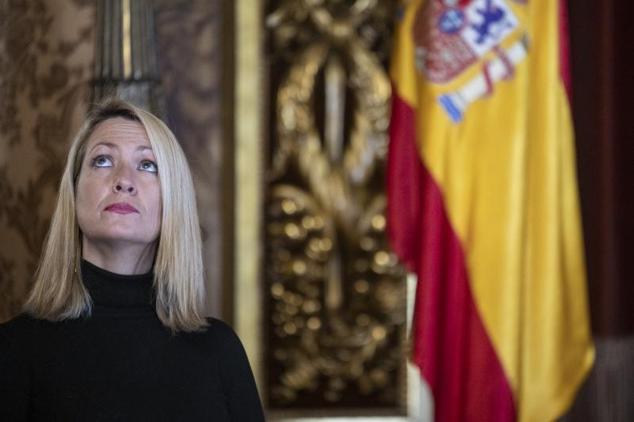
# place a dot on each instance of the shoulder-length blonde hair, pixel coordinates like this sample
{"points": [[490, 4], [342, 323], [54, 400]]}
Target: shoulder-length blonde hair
{"points": [[59, 293]]}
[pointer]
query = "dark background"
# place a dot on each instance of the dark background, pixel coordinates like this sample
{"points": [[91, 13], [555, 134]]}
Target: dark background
{"points": [[602, 41]]}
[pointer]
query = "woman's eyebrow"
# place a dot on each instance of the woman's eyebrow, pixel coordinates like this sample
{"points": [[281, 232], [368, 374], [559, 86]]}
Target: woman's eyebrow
{"points": [[115, 146], [106, 144]]}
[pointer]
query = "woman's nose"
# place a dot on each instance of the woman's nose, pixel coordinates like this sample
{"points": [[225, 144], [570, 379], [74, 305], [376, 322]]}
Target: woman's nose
{"points": [[124, 184]]}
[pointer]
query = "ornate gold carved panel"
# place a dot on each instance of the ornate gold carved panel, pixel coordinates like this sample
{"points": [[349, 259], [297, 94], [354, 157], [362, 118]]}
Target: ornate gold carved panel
{"points": [[335, 295]]}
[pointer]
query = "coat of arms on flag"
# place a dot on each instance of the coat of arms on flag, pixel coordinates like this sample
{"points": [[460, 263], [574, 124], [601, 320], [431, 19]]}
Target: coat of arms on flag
{"points": [[453, 35]]}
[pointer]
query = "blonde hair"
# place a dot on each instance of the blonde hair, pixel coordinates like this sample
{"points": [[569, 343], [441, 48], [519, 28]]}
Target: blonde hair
{"points": [[59, 293]]}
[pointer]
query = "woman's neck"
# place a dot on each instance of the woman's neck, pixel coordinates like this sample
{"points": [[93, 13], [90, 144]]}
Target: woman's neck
{"points": [[120, 258]]}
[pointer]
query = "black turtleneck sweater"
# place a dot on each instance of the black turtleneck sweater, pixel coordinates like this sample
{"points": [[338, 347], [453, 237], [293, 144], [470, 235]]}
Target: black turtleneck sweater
{"points": [[122, 364]]}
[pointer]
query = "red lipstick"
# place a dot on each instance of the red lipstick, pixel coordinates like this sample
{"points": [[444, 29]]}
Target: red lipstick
{"points": [[121, 208]]}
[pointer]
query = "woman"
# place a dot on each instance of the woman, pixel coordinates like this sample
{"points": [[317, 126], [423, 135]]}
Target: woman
{"points": [[113, 328]]}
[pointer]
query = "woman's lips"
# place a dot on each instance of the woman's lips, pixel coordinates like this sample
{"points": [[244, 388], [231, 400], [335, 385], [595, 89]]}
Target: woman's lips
{"points": [[121, 208]]}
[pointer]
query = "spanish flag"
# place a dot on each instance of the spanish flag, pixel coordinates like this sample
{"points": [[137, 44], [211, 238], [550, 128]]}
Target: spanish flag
{"points": [[483, 207]]}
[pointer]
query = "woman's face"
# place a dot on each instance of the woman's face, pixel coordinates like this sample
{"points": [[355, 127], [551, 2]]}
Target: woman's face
{"points": [[118, 191]]}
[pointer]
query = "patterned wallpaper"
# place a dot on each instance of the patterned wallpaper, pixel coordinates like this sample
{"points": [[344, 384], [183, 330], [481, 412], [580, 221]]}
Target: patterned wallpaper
{"points": [[46, 58]]}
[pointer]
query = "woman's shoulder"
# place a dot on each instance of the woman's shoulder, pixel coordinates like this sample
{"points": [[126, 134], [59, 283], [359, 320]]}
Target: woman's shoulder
{"points": [[19, 324], [234, 367], [220, 330], [223, 337], [19, 330]]}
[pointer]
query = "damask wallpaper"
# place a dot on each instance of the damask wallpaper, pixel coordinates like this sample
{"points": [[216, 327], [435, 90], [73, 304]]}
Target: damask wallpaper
{"points": [[46, 56]]}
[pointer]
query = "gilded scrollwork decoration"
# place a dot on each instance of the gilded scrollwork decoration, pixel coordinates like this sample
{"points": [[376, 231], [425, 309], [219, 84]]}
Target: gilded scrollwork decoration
{"points": [[336, 293]]}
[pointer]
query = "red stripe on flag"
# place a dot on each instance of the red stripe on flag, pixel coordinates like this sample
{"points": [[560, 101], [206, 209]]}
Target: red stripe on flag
{"points": [[450, 343], [564, 49]]}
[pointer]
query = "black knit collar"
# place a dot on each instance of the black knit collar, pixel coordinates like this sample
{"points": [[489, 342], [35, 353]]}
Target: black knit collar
{"points": [[109, 289]]}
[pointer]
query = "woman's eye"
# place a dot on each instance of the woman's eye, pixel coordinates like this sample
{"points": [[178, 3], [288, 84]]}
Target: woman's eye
{"points": [[102, 161], [147, 165]]}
